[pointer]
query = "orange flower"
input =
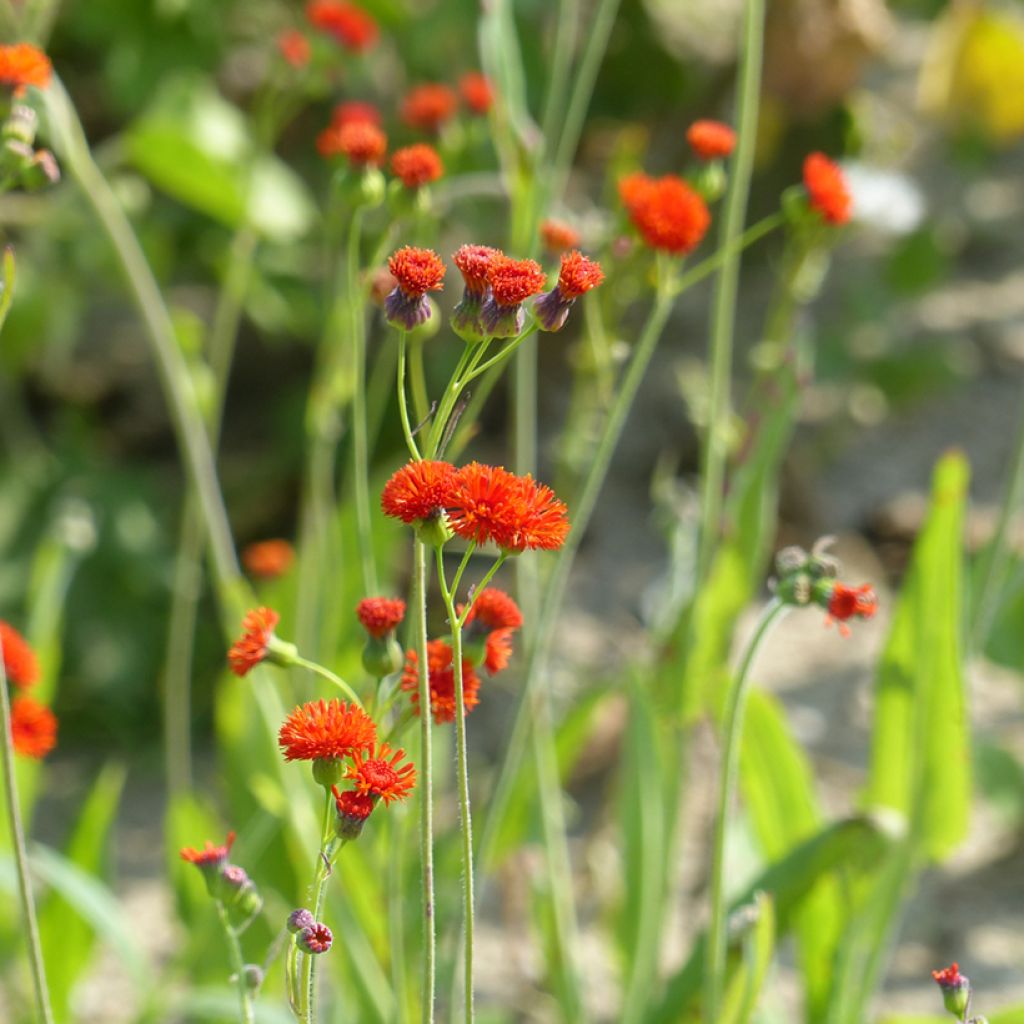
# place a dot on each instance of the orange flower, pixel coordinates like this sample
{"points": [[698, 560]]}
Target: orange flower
{"points": [[210, 855], [22, 65], [294, 47], [418, 491], [669, 214], [322, 730], [474, 263], [252, 647], [711, 140], [355, 110], [578, 275], [350, 25], [363, 143], [512, 281], [33, 727], [353, 805], [827, 189], [417, 271], [380, 615], [558, 236], [497, 616], [268, 559], [428, 106], [441, 681], [850, 602], [417, 165], [20, 664], [476, 92], [377, 776]]}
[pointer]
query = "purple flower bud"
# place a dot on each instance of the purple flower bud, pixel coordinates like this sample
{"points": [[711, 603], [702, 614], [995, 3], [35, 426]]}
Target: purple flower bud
{"points": [[406, 311], [299, 920], [317, 938], [552, 309], [502, 321]]}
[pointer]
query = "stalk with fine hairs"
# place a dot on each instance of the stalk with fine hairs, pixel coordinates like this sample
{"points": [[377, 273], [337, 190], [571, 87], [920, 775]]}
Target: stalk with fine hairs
{"points": [[238, 965], [28, 907]]}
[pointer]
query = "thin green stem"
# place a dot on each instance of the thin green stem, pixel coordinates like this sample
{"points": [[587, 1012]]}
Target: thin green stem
{"points": [[561, 65], [732, 731], [320, 877], [237, 965], [470, 353], [418, 381], [500, 357], [426, 784], [30, 927], [481, 584], [326, 673], [723, 315], [457, 579], [403, 408]]}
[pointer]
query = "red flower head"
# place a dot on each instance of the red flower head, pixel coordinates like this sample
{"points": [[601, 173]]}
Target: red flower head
{"points": [[350, 25], [22, 65], [576, 277], [850, 602], [669, 214], [20, 664], [476, 92], [418, 491], [33, 727], [496, 616], [361, 142], [487, 503], [558, 236], [353, 810], [512, 282], [324, 730], [956, 990], [379, 773], [474, 263], [417, 272], [317, 938], [711, 140], [428, 106], [268, 559], [441, 680], [380, 615], [950, 977], [294, 47], [256, 641], [210, 856], [827, 189], [355, 110], [416, 165]]}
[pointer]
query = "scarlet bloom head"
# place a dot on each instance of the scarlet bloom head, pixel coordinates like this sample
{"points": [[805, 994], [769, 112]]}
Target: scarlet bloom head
{"points": [[576, 277], [512, 282], [826, 189], [268, 559], [379, 773], [317, 938], [416, 165], [355, 110], [418, 491], [558, 236], [259, 643], [209, 856], [350, 25], [494, 617], [361, 142], [33, 727], [441, 682], [417, 272], [294, 47], [380, 615], [353, 809], [846, 603], [473, 262], [20, 664], [667, 212], [428, 106], [956, 990], [711, 140], [476, 92], [324, 730], [22, 65], [487, 503]]}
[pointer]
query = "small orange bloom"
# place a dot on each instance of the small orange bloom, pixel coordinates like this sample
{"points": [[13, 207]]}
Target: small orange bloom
{"points": [[251, 648], [361, 142], [417, 271], [353, 805], [380, 615], [350, 25], [578, 275], [20, 664], [377, 776], [322, 730], [416, 165], [711, 140], [428, 106], [22, 65], [496, 615], [441, 681], [294, 47], [418, 491], [558, 236], [210, 855], [268, 559], [513, 281], [543, 523], [667, 212], [474, 263], [33, 727], [851, 602], [355, 110], [827, 189], [476, 92]]}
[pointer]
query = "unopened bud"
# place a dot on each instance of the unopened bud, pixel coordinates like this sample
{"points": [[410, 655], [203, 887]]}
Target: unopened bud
{"points": [[21, 125], [328, 771], [300, 919], [956, 989], [253, 976], [382, 656], [317, 938]]}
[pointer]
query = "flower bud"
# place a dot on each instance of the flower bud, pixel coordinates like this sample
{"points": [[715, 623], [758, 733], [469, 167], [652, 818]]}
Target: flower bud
{"points": [[300, 919], [238, 893], [956, 989], [253, 976], [21, 125], [281, 652], [353, 810], [382, 656], [328, 771], [372, 188], [317, 938], [710, 181], [434, 532]]}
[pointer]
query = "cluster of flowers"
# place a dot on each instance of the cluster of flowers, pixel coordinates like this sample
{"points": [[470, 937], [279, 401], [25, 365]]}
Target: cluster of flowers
{"points": [[33, 725], [21, 164], [496, 287]]}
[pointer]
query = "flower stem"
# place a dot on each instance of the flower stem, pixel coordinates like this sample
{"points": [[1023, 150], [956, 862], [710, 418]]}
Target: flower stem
{"points": [[237, 964], [501, 356], [28, 907], [326, 673], [732, 732], [403, 408], [320, 876], [724, 307]]}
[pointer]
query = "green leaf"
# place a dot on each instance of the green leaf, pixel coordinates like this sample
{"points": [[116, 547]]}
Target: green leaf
{"points": [[758, 950]]}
